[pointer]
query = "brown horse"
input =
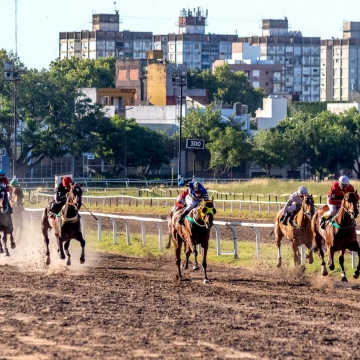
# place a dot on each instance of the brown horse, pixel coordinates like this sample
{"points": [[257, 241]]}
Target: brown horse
{"points": [[6, 225], [17, 204], [298, 234], [194, 231], [339, 234], [66, 225]]}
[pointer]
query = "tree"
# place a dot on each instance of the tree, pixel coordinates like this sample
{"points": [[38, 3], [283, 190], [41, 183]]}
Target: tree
{"points": [[229, 148], [82, 73], [144, 148], [227, 86]]}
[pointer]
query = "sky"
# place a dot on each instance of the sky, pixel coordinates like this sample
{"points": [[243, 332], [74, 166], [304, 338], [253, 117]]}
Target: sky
{"points": [[40, 21]]}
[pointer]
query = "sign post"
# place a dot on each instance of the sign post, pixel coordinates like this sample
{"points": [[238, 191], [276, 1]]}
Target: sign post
{"points": [[195, 144]]}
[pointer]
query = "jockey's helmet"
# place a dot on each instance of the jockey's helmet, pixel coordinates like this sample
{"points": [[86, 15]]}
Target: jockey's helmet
{"points": [[14, 182], [2, 173], [344, 181], [302, 190], [196, 186], [67, 181]]}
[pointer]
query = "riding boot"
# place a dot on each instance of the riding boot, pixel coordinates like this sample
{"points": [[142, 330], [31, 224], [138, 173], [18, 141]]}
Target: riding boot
{"points": [[285, 219], [182, 216], [322, 222], [291, 219]]}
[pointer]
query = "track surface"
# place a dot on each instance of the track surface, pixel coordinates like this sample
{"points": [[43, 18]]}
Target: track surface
{"points": [[117, 307]]}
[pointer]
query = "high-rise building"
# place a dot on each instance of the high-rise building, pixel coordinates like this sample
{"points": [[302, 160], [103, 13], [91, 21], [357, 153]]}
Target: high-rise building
{"points": [[340, 66], [105, 39], [192, 46], [299, 56]]}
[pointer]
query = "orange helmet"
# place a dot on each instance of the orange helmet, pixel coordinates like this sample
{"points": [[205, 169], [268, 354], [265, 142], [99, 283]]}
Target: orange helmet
{"points": [[67, 181]]}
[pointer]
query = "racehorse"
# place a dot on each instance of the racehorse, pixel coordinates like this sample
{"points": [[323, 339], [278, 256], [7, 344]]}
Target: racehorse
{"points": [[66, 225], [6, 225], [298, 234], [339, 234], [16, 203], [194, 231]]}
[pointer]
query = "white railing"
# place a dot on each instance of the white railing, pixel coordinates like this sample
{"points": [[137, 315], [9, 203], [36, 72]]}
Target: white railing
{"points": [[158, 222]]}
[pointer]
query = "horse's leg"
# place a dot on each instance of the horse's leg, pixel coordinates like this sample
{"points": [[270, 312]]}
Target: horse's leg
{"points": [[204, 250], [1, 246], [80, 238], [278, 236], [60, 242], [341, 262], [330, 251], [167, 246], [66, 247], [12, 241], [187, 252], [5, 244], [196, 265], [320, 251], [177, 249], [296, 254], [45, 229], [354, 246]]}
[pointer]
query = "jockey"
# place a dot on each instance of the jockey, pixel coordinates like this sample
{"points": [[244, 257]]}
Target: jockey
{"points": [[335, 196], [60, 195], [293, 206], [180, 200], [14, 184], [4, 182], [196, 194]]}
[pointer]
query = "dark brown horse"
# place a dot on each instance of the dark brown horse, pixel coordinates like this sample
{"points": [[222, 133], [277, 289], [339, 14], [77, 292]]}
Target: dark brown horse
{"points": [[195, 231], [17, 204], [298, 234], [339, 234], [6, 225], [66, 225]]}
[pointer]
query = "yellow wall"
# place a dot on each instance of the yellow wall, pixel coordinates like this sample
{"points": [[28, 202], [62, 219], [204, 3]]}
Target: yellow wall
{"points": [[128, 95], [156, 82]]}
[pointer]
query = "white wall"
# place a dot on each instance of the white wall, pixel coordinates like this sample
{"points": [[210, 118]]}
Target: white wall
{"points": [[274, 110], [340, 108], [250, 52]]}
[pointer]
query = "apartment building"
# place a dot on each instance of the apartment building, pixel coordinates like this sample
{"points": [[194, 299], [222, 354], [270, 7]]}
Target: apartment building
{"points": [[105, 39], [152, 79], [191, 46], [340, 66], [299, 57]]}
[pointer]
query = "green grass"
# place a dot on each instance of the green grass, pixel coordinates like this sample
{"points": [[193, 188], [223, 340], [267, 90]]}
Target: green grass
{"points": [[246, 252]]}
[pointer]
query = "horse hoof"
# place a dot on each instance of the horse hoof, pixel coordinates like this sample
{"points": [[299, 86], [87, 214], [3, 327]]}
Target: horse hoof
{"points": [[68, 262], [1, 251], [324, 273], [82, 260], [206, 281], [13, 245], [7, 252], [344, 279], [332, 267], [167, 246], [356, 275], [278, 264], [196, 267], [47, 261]]}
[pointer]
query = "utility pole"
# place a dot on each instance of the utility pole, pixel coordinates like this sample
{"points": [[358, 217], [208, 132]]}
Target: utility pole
{"points": [[179, 80]]}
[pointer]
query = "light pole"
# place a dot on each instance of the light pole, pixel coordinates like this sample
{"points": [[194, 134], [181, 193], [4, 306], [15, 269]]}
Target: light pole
{"points": [[179, 80], [125, 169], [11, 73]]}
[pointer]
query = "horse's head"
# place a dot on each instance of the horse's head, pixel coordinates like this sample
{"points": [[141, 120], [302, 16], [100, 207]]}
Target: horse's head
{"points": [[75, 195], [207, 212], [308, 206], [4, 204], [350, 204]]}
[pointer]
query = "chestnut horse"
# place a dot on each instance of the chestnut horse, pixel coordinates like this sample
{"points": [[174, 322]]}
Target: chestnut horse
{"points": [[339, 234], [6, 225], [195, 231], [17, 204], [298, 234], [66, 225]]}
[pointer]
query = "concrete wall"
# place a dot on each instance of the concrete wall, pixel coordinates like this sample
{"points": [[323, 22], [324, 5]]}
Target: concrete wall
{"points": [[274, 109], [340, 108]]}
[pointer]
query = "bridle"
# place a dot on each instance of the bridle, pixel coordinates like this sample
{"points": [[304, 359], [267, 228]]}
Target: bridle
{"points": [[306, 200]]}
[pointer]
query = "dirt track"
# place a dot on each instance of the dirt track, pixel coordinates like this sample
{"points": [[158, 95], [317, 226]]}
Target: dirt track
{"points": [[117, 307]]}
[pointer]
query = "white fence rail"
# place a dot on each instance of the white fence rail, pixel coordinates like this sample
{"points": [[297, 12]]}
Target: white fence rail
{"points": [[231, 225]]}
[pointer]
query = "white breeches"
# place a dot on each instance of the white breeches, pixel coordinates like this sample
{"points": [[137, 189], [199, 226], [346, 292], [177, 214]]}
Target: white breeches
{"points": [[291, 208], [191, 203], [332, 210]]}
